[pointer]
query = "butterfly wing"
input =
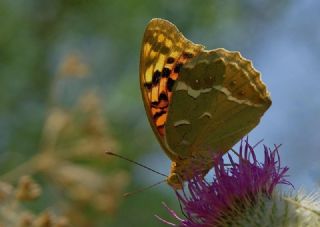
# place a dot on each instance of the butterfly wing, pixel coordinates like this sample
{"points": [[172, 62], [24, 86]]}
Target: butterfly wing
{"points": [[164, 51], [218, 98]]}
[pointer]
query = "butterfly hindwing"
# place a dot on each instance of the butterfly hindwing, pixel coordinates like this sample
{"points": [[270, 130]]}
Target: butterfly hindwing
{"points": [[225, 100]]}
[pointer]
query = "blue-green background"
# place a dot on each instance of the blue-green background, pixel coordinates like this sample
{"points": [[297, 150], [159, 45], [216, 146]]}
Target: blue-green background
{"points": [[282, 38]]}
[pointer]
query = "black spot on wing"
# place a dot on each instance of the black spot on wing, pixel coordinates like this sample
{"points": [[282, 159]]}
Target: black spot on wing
{"points": [[165, 50], [170, 60], [163, 97], [148, 86], [159, 47], [177, 67], [151, 40], [170, 83], [155, 104], [166, 72], [187, 55], [156, 77], [159, 114]]}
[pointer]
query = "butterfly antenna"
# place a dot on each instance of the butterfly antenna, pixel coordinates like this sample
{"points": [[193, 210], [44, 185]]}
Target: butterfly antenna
{"points": [[235, 152], [142, 189], [137, 163]]}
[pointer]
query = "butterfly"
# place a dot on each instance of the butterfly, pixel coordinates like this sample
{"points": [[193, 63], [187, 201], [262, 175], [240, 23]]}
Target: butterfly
{"points": [[199, 102]]}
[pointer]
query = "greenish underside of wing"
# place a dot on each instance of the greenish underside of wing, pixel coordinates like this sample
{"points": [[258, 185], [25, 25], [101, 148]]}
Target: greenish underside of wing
{"points": [[215, 104]]}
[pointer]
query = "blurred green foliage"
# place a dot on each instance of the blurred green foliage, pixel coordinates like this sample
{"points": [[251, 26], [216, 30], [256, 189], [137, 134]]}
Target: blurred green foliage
{"points": [[39, 38]]}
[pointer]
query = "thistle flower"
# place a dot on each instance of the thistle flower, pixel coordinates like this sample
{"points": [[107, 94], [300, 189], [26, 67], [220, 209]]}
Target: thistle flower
{"points": [[243, 194]]}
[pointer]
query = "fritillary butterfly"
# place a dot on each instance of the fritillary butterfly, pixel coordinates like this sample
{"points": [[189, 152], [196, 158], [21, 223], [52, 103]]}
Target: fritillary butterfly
{"points": [[198, 102]]}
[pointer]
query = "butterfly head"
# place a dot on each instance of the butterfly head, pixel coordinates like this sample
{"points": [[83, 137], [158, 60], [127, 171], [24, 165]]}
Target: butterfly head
{"points": [[185, 169], [175, 181]]}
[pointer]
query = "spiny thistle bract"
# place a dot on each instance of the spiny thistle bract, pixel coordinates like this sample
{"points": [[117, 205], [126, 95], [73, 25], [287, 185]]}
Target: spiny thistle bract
{"points": [[243, 194]]}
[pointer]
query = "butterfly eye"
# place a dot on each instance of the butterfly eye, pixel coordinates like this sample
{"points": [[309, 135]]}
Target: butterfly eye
{"points": [[175, 181]]}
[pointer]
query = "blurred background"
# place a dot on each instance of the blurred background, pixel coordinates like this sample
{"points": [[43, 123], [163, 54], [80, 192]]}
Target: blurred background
{"points": [[69, 90]]}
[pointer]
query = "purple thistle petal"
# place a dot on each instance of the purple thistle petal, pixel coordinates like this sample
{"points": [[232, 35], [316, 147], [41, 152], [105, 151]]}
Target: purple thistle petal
{"points": [[208, 204], [165, 221], [172, 212]]}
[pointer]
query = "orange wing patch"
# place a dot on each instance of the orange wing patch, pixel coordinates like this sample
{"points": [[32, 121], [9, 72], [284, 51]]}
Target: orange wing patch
{"points": [[163, 53], [160, 89]]}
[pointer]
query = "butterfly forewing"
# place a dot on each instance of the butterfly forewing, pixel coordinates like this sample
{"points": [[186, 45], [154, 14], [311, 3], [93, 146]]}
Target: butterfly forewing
{"points": [[164, 51]]}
